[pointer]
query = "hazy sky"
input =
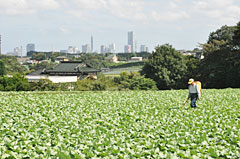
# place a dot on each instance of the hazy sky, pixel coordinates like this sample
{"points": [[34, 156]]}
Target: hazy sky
{"points": [[61, 23]]}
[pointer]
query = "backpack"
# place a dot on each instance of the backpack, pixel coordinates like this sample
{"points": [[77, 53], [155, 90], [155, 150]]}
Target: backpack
{"points": [[199, 85]]}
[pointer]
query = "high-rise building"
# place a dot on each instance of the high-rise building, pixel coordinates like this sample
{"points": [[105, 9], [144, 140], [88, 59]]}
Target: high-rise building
{"points": [[17, 51], [103, 49], [131, 41], [92, 44], [112, 48], [86, 48], [72, 49], [127, 48], [143, 48], [30, 47]]}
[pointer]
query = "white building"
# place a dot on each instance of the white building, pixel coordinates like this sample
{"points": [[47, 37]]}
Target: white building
{"points": [[135, 59]]}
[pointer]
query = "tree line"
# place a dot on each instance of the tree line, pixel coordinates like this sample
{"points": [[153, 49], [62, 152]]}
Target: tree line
{"points": [[220, 67]]}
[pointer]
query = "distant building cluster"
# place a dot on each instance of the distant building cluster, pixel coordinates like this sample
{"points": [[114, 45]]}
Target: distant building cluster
{"points": [[17, 51], [108, 49], [130, 47], [143, 48]]}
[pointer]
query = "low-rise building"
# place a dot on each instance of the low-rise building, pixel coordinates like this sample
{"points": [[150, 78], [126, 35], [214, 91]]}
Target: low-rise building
{"points": [[66, 71], [61, 58], [112, 58], [136, 59]]}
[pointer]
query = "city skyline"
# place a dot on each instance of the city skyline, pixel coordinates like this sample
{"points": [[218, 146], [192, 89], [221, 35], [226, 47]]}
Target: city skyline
{"points": [[59, 24]]}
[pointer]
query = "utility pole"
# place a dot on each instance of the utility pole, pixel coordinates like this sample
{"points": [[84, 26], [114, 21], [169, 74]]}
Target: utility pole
{"points": [[21, 51], [91, 43], [0, 44]]}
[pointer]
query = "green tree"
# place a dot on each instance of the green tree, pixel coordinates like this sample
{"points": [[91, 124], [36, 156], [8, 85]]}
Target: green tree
{"points": [[2, 68], [236, 37], [219, 39], [39, 56], [15, 83], [220, 69], [166, 67], [12, 65], [43, 85], [192, 64], [134, 81]]}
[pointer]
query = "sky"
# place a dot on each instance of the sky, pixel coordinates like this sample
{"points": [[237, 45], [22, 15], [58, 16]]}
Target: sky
{"points": [[57, 24]]}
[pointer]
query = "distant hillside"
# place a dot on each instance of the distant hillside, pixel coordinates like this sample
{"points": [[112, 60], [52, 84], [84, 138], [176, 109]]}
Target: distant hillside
{"points": [[12, 65]]}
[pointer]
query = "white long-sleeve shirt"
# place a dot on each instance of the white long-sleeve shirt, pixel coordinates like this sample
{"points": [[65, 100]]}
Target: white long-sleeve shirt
{"points": [[194, 89]]}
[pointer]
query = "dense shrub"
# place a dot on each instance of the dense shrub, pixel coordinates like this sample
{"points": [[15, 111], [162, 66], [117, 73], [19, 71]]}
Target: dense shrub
{"points": [[43, 85], [102, 83], [134, 81], [15, 83]]}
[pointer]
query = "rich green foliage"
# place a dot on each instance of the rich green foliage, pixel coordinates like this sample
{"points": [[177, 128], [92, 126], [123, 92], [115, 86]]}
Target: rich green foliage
{"points": [[224, 33], [12, 65], [43, 85], [166, 67], [102, 83], [15, 83], [220, 39], [236, 37], [39, 57], [220, 69], [134, 81], [221, 66], [127, 124], [2, 68]]}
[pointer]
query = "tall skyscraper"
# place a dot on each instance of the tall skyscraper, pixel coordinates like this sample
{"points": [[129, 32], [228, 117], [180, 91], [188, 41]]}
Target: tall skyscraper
{"points": [[131, 41], [92, 44], [30, 47]]}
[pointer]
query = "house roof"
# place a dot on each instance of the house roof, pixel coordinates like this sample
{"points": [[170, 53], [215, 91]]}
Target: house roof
{"points": [[110, 57], [72, 67]]}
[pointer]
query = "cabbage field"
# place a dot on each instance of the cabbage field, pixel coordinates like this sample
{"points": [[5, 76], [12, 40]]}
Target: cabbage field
{"points": [[121, 124]]}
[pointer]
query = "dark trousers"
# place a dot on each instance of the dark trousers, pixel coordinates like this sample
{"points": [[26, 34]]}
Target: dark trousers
{"points": [[194, 98]]}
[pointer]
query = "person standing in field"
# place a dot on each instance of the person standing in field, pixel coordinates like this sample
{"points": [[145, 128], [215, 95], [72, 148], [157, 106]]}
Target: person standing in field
{"points": [[194, 92]]}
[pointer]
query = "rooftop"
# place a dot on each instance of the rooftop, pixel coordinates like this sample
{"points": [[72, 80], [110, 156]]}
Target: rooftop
{"points": [[72, 67]]}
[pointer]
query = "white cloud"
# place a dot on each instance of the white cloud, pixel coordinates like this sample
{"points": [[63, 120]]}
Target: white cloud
{"points": [[224, 11], [170, 12], [15, 7], [120, 8], [169, 16]]}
